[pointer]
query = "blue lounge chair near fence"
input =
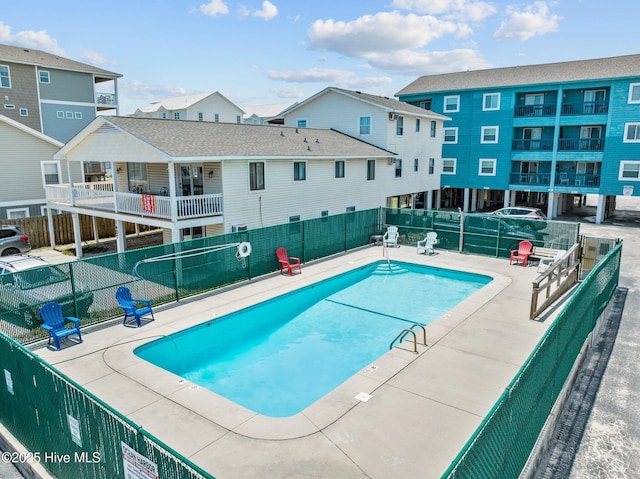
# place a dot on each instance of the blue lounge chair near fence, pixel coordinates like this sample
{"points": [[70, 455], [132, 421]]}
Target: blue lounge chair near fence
{"points": [[56, 324], [133, 307]]}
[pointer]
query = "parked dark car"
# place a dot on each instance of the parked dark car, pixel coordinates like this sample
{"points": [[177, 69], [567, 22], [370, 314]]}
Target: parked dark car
{"points": [[13, 241], [28, 282]]}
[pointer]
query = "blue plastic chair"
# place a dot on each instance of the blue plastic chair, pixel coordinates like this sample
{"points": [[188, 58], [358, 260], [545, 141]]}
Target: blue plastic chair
{"points": [[130, 306], [55, 323]]}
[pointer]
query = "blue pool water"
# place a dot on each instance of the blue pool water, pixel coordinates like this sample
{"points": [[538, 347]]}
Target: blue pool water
{"points": [[278, 357]]}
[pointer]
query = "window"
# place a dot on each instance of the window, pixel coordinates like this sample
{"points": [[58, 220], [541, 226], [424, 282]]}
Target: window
{"points": [[449, 166], [324, 213], [44, 77], [216, 117], [491, 101], [256, 176], [164, 115], [77, 115], [432, 166], [50, 172], [350, 209], [629, 171], [417, 125], [632, 132], [294, 218], [487, 167], [138, 178], [59, 114], [371, 170], [5, 77], [425, 104], [299, 171], [451, 135], [8, 106], [433, 128], [398, 168], [238, 119], [176, 115], [17, 213], [302, 123], [365, 125], [68, 115], [416, 164], [200, 116], [24, 112], [452, 103], [339, 167], [400, 125], [634, 93], [489, 134]]}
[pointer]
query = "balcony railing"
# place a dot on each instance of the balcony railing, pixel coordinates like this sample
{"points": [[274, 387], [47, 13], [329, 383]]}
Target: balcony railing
{"points": [[87, 195], [562, 179], [585, 108], [581, 144], [106, 99], [532, 145], [535, 110]]}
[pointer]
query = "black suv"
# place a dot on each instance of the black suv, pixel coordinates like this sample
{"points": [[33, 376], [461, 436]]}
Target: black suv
{"points": [[13, 241]]}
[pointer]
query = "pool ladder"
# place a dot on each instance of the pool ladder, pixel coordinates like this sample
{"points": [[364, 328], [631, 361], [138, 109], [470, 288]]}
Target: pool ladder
{"points": [[410, 330]]}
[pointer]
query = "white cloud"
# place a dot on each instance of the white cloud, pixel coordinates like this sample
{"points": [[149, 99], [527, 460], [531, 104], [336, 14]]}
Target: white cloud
{"points": [[138, 90], [450, 9], [95, 58], [535, 19], [408, 62], [214, 8], [269, 11], [382, 32], [339, 78], [288, 92], [40, 40]]}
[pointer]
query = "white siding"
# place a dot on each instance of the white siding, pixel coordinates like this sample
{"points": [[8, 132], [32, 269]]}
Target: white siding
{"points": [[215, 103]]}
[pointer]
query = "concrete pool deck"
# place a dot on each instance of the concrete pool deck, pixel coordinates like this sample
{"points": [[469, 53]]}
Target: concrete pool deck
{"points": [[422, 411]]}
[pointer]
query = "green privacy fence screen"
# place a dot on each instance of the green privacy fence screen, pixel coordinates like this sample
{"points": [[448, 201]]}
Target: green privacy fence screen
{"points": [[503, 442], [72, 433], [172, 272]]}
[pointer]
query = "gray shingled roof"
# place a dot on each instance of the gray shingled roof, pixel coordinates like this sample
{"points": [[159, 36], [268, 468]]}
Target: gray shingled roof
{"points": [[182, 138], [602, 68], [29, 56]]}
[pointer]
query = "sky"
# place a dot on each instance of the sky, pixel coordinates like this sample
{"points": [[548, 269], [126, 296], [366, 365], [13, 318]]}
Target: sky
{"points": [[258, 52]]}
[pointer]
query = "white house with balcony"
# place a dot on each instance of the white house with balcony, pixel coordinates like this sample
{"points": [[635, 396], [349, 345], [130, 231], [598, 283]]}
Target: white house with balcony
{"points": [[194, 178], [415, 134], [198, 107]]}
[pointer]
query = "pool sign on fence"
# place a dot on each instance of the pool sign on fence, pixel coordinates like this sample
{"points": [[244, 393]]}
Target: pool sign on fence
{"points": [[137, 466]]}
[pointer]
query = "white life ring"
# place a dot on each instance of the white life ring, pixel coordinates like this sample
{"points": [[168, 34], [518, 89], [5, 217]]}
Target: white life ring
{"points": [[244, 249]]}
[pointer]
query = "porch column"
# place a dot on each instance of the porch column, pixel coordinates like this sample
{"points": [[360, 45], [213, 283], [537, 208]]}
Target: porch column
{"points": [[96, 236], [77, 235], [438, 198], [474, 200], [602, 201], [551, 198], [52, 232], [429, 204], [175, 234], [465, 204], [121, 237], [509, 198]]}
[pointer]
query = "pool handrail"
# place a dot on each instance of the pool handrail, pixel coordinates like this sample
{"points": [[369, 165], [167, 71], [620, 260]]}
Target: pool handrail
{"points": [[406, 331]]}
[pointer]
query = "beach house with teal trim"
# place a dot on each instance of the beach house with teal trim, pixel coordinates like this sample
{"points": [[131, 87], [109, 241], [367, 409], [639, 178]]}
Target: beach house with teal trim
{"points": [[537, 135]]}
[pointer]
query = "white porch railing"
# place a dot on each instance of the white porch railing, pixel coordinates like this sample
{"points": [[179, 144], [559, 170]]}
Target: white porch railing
{"points": [[87, 195]]}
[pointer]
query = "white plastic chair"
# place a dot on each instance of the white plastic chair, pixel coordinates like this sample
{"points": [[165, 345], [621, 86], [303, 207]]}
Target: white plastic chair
{"points": [[428, 243], [545, 263], [390, 238]]}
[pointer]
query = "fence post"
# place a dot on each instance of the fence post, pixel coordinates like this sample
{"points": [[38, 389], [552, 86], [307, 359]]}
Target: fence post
{"points": [[461, 243]]}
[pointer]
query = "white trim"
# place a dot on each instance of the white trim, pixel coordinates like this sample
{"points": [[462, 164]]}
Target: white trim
{"points": [[444, 135], [483, 132], [42, 172], [444, 104], [68, 103], [626, 131], [7, 204], [293, 176], [633, 86], [9, 76], [14, 210], [360, 117], [493, 161], [484, 100], [621, 171], [455, 166], [48, 82]]}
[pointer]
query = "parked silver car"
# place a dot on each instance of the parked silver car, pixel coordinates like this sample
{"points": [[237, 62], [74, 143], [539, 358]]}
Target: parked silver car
{"points": [[13, 241], [521, 212], [28, 282]]}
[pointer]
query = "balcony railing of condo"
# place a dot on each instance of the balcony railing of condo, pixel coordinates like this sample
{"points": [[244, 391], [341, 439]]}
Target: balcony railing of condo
{"points": [[581, 144], [585, 108], [528, 145], [535, 110]]}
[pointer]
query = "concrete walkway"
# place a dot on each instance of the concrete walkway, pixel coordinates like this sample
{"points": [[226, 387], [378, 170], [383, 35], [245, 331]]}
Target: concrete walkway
{"points": [[423, 408]]}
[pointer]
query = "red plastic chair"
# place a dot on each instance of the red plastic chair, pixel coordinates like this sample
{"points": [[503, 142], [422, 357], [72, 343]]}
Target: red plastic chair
{"points": [[522, 253], [287, 262]]}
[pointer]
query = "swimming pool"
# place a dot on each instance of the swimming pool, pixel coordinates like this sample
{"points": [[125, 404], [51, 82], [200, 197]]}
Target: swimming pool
{"points": [[278, 357]]}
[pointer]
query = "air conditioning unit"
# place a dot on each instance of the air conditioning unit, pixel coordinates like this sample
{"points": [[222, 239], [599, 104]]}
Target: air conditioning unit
{"points": [[392, 161], [393, 116], [235, 228]]}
